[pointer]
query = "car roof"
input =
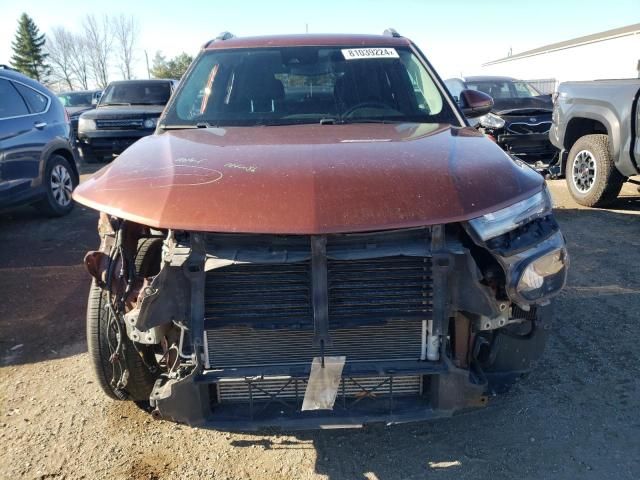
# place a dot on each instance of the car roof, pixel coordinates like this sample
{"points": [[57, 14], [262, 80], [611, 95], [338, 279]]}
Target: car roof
{"points": [[12, 74], [150, 80], [309, 40], [67, 92], [489, 78]]}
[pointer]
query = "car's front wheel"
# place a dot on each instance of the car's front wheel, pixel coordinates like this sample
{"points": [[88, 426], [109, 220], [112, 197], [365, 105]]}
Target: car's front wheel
{"points": [[125, 370], [591, 175], [59, 182]]}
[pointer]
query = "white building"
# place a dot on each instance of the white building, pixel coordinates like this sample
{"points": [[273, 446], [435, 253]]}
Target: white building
{"points": [[610, 54]]}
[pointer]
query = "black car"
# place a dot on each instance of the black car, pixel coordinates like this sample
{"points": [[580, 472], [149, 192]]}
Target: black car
{"points": [[37, 165], [128, 110], [77, 102], [520, 119]]}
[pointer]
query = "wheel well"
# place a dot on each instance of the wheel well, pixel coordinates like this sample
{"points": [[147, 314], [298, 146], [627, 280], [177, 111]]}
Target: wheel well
{"points": [[579, 127], [69, 157]]}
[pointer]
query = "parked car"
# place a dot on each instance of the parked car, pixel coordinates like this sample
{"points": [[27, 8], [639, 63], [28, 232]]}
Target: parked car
{"points": [[77, 102], [37, 165], [520, 119], [596, 127], [127, 111], [329, 259]]}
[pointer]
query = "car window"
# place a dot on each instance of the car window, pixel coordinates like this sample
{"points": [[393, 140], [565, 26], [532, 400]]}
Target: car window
{"points": [[288, 85], [11, 103], [80, 99], [137, 93], [524, 90], [496, 89], [36, 101]]}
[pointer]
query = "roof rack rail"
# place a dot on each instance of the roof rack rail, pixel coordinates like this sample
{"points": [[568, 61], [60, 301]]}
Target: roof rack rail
{"points": [[7, 67], [391, 32], [225, 36], [220, 38]]}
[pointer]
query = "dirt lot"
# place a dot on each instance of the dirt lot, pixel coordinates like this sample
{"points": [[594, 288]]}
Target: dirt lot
{"points": [[575, 417]]}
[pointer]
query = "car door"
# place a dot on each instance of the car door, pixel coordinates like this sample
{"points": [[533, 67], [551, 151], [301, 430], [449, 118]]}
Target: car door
{"points": [[23, 136]]}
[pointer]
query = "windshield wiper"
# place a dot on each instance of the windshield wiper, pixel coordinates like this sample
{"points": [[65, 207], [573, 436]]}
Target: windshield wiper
{"points": [[115, 103]]}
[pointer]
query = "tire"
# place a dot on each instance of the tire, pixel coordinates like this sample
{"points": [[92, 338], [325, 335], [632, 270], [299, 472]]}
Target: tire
{"points": [[591, 175], [141, 380], [59, 181]]}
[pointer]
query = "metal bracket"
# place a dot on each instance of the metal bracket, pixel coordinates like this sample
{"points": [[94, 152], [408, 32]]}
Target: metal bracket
{"points": [[320, 292], [194, 271], [441, 266]]}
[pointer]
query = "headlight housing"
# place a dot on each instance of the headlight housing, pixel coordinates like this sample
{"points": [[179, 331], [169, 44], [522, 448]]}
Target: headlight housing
{"points": [[502, 221], [543, 276], [86, 124], [491, 120]]}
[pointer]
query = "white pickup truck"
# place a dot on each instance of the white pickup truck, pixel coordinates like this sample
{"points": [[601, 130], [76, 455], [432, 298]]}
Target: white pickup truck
{"points": [[596, 127]]}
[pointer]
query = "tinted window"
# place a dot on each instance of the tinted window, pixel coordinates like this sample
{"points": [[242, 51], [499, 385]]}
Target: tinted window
{"points": [[36, 101], [504, 89], [11, 103], [137, 93], [79, 99], [287, 85]]}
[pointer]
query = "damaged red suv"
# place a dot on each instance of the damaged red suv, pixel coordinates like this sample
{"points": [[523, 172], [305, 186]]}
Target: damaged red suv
{"points": [[315, 237]]}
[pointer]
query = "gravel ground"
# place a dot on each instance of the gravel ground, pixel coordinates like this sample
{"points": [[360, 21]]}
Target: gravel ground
{"points": [[575, 417]]}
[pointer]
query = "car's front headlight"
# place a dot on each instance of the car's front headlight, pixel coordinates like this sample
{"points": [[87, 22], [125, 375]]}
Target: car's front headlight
{"points": [[507, 219], [491, 120], [150, 123], [86, 124], [544, 275]]}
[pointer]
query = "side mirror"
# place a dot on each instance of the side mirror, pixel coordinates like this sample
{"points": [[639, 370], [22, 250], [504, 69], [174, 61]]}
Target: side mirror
{"points": [[475, 104]]}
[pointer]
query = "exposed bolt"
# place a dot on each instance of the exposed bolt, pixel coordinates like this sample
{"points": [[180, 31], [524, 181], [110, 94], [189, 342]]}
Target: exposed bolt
{"points": [[503, 307]]}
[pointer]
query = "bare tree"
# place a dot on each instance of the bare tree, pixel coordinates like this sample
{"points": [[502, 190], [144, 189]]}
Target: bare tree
{"points": [[125, 32], [97, 34], [60, 48], [80, 61]]}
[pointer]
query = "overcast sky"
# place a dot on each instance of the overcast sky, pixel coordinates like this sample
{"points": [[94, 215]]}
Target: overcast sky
{"points": [[457, 36]]}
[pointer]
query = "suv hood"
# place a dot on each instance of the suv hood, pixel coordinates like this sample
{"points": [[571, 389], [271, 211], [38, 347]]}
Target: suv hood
{"points": [[124, 111], [309, 179]]}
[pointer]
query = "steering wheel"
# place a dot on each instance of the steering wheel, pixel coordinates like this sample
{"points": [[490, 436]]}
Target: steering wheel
{"points": [[371, 104]]}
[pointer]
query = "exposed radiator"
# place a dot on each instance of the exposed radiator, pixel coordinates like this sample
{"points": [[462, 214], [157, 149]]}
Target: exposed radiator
{"points": [[235, 390], [243, 346], [261, 314]]}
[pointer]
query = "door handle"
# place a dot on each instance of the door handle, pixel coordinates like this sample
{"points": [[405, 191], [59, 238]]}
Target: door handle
{"points": [[40, 125]]}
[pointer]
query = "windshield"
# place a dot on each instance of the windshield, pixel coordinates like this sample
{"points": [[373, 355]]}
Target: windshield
{"points": [[504, 88], [79, 99], [136, 93], [288, 85]]}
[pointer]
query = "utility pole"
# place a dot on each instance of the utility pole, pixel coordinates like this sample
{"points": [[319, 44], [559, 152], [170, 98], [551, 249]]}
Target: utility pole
{"points": [[306, 27], [147, 59]]}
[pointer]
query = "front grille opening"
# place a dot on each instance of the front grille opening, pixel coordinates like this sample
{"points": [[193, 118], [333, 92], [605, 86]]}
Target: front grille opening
{"points": [[351, 389], [261, 314]]}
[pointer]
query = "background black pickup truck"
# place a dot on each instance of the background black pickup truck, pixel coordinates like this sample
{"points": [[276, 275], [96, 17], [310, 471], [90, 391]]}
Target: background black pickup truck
{"points": [[596, 126], [128, 111]]}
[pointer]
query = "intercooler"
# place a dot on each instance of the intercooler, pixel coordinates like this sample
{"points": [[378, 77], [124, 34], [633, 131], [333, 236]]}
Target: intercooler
{"points": [[260, 314]]}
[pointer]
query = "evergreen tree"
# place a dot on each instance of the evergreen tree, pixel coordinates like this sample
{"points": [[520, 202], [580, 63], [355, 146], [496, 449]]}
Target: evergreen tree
{"points": [[172, 68], [28, 55]]}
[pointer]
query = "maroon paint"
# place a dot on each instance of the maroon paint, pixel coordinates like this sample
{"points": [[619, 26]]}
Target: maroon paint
{"points": [[309, 179]]}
